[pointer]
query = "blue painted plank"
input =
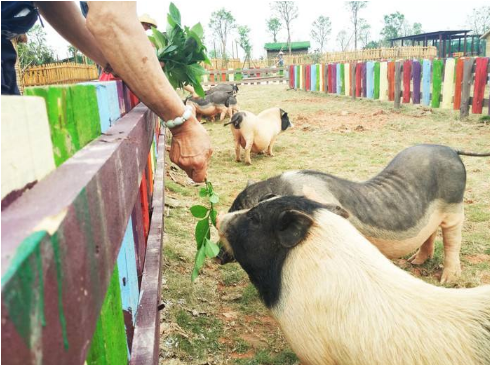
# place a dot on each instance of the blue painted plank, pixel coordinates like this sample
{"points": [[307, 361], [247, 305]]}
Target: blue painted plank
{"points": [[426, 72], [313, 78], [370, 79], [102, 104], [338, 85], [114, 110]]}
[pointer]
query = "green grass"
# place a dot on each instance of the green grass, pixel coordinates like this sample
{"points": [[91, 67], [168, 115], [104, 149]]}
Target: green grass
{"points": [[322, 139]]}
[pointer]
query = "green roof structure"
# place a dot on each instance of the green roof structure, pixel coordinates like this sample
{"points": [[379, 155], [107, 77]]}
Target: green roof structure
{"points": [[284, 46]]}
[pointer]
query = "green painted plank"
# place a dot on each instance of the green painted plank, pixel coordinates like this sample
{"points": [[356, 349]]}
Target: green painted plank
{"points": [[376, 79], [109, 342], [342, 79], [64, 134], [436, 83], [85, 112]]}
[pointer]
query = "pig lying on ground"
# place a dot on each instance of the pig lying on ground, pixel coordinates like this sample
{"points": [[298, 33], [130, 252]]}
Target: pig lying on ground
{"points": [[339, 301], [399, 210], [217, 103], [229, 88], [257, 133]]}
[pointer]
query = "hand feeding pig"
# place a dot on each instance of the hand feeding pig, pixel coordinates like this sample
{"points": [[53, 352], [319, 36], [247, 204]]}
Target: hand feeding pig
{"points": [[339, 301], [217, 103], [399, 210], [257, 133]]}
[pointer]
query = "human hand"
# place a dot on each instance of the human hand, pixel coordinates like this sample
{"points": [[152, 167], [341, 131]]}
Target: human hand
{"points": [[191, 149]]}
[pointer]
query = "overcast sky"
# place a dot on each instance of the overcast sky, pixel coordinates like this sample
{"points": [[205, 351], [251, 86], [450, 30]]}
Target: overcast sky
{"points": [[434, 16]]}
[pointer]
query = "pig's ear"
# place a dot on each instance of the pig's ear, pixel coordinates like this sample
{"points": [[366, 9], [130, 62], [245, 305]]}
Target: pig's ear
{"points": [[292, 227], [250, 182], [267, 196], [283, 113], [337, 210]]}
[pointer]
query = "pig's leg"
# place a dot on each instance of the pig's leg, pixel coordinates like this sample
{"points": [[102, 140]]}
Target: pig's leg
{"points": [[269, 149], [451, 234], [223, 114], [248, 148], [426, 251], [237, 150]]}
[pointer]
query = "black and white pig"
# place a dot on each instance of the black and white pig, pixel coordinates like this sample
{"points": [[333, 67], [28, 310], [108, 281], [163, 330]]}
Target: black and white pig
{"points": [[339, 301], [218, 103], [399, 210], [231, 89]]}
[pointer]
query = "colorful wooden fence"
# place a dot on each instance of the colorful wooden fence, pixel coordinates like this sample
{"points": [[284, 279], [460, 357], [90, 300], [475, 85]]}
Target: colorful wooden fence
{"points": [[82, 215], [450, 83]]}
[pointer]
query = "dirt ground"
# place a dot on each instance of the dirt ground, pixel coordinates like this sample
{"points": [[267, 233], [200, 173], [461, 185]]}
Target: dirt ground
{"points": [[219, 319]]}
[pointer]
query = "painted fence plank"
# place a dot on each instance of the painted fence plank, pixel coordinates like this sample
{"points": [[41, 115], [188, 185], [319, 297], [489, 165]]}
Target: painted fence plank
{"points": [[115, 113], [417, 76], [338, 82], [466, 88], [334, 78], [370, 80], [353, 80], [304, 77], [138, 236], [359, 79], [291, 76], [109, 345], [102, 104], [319, 73], [325, 78], [458, 84], [27, 150], [448, 86], [383, 81], [313, 78], [318, 78], [120, 97], [331, 81], [342, 79], [347, 75], [376, 80], [436, 82], [85, 113], [407, 76], [398, 83], [426, 79], [308, 78], [481, 76], [391, 81], [364, 79]]}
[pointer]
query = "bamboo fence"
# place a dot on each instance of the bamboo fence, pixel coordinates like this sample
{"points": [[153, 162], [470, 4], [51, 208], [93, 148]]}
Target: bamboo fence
{"points": [[59, 73]]}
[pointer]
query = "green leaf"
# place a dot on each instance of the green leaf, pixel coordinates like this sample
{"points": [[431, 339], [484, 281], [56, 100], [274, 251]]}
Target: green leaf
{"points": [[196, 69], [199, 211], [159, 38], [198, 89], [198, 30], [203, 192], [152, 40], [212, 249], [174, 13], [202, 231], [214, 198], [201, 256], [213, 215], [169, 49], [195, 274]]}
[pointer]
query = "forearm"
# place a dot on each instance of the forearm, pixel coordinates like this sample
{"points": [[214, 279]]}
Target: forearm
{"points": [[121, 37], [67, 20]]}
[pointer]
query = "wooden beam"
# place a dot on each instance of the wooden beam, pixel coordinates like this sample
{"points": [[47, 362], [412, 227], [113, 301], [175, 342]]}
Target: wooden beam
{"points": [[466, 87]]}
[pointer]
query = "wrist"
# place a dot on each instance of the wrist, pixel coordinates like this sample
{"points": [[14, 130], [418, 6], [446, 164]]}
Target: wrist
{"points": [[180, 120], [183, 128]]}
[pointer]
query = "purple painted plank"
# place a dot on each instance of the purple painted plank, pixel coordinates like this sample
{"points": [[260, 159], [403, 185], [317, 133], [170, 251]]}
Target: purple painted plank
{"points": [[79, 213], [147, 329], [120, 97], [416, 71]]}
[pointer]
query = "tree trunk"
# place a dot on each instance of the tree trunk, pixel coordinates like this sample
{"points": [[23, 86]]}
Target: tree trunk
{"points": [[289, 41]]}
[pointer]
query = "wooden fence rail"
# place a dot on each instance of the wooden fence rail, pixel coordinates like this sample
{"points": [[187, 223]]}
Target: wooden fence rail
{"points": [[450, 83], [81, 242], [59, 73], [257, 76]]}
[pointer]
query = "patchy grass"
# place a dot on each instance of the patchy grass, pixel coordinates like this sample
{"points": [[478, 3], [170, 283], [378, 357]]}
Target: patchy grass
{"points": [[220, 319]]}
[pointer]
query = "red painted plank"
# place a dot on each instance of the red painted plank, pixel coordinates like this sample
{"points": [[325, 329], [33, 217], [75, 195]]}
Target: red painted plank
{"points": [[144, 205], [358, 79], [459, 81], [391, 81], [481, 76], [150, 173], [407, 75]]}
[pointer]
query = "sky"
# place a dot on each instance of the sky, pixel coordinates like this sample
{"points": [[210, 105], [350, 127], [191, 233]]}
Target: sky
{"points": [[434, 16]]}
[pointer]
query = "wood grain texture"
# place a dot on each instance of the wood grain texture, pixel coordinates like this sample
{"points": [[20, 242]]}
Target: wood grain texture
{"points": [[383, 81], [407, 76], [426, 81], [466, 88], [376, 80], [417, 77], [398, 83], [391, 80], [481, 76], [370, 80], [437, 66], [448, 85]]}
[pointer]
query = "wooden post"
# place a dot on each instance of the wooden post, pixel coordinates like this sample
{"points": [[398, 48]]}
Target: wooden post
{"points": [[458, 84], [464, 45], [407, 75], [481, 75], [416, 70], [398, 80], [464, 110], [353, 80]]}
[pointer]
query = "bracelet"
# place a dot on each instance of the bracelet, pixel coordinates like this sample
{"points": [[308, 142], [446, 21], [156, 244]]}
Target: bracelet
{"points": [[179, 120]]}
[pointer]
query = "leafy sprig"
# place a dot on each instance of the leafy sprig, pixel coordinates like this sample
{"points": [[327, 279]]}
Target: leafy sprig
{"points": [[181, 50], [207, 219]]}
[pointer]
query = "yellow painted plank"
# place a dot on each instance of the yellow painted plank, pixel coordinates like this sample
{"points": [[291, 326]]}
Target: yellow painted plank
{"points": [[448, 86], [383, 81]]}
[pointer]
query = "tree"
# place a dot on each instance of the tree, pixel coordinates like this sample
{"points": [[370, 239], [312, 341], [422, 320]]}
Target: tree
{"points": [[321, 30], [287, 11], [343, 40], [221, 23], [393, 26], [364, 32], [244, 42], [273, 27], [372, 44], [479, 20], [35, 51], [417, 28], [354, 8]]}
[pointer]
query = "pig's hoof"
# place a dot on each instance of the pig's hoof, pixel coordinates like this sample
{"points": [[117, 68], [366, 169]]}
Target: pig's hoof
{"points": [[418, 258], [450, 275], [248, 162]]}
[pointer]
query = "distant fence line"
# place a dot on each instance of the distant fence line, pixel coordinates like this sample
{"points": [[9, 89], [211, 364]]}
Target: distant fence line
{"points": [[59, 73]]}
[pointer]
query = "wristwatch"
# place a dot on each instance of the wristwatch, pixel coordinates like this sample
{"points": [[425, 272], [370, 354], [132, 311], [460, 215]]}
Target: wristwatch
{"points": [[172, 123]]}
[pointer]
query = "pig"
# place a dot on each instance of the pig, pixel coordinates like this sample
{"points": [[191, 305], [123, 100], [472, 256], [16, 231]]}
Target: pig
{"points": [[340, 301], [229, 88], [216, 103], [257, 133], [399, 210]]}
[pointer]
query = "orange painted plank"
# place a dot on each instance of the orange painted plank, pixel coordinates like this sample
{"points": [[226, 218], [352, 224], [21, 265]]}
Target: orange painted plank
{"points": [[391, 81], [144, 205], [459, 81]]}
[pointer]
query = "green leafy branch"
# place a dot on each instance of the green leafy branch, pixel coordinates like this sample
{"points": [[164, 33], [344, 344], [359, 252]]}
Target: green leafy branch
{"points": [[181, 50], [207, 216]]}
